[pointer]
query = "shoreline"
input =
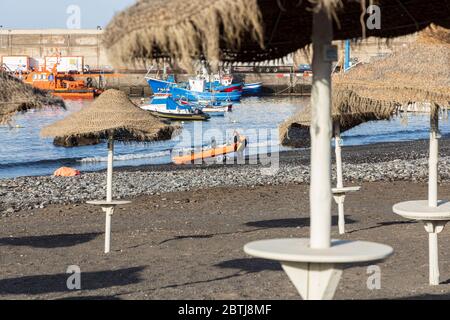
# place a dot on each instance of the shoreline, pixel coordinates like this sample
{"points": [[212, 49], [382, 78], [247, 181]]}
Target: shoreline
{"points": [[403, 161], [366, 153]]}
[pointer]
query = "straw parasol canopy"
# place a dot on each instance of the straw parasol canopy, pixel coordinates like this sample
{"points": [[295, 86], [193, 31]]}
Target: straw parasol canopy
{"points": [[349, 110], [416, 74], [114, 114], [16, 96], [251, 30]]}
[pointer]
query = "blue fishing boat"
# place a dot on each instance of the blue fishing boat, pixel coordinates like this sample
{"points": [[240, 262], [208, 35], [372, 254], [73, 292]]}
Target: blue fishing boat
{"points": [[192, 91], [252, 88], [161, 86], [162, 105], [179, 93], [220, 87]]}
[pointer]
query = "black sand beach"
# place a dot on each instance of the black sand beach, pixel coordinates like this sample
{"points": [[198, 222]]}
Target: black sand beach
{"points": [[189, 244], [185, 244]]}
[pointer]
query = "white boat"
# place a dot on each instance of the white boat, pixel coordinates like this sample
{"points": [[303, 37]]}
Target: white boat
{"points": [[210, 107], [163, 106], [215, 111]]}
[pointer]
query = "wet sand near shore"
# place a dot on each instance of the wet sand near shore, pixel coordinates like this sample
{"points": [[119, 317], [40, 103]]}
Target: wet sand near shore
{"points": [[188, 245]]}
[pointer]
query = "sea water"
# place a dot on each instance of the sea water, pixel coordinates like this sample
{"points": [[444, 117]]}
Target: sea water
{"points": [[24, 153]]}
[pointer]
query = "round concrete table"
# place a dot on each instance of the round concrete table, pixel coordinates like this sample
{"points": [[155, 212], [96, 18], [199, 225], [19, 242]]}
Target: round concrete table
{"points": [[339, 196], [434, 219], [322, 267], [108, 207]]}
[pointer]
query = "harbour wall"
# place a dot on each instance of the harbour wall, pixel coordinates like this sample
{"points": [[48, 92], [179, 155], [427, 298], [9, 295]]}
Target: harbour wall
{"points": [[40, 43], [135, 84], [88, 43]]}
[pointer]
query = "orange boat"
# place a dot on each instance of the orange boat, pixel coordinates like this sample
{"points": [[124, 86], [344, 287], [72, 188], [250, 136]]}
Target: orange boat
{"points": [[61, 85], [240, 142]]}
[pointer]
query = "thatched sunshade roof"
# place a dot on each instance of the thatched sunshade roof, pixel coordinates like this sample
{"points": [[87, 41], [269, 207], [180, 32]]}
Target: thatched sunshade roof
{"points": [[251, 30], [113, 113], [416, 74], [419, 73], [349, 110], [16, 96]]}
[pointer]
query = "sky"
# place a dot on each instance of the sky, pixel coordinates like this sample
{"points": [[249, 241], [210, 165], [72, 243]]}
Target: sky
{"points": [[43, 14]]}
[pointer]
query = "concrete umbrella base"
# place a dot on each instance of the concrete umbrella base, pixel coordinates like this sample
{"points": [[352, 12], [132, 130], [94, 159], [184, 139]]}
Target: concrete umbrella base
{"points": [[316, 273]]}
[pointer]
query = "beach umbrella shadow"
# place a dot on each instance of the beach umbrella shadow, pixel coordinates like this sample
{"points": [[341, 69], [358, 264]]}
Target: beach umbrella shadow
{"points": [[52, 283], [290, 223], [385, 224], [250, 265], [91, 298], [50, 241]]}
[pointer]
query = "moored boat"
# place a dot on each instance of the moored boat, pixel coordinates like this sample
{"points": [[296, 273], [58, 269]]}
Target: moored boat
{"points": [[195, 90], [252, 88], [181, 116], [212, 108], [159, 86], [215, 111], [163, 106], [61, 85], [179, 93], [218, 87]]}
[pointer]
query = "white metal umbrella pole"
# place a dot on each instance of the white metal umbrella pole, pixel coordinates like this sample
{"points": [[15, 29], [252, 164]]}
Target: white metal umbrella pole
{"points": [[339, 177], [433, 160], [320, 188], [433, 227], [109, 210], [108, 205], [337, 149], [340, 191], [109, 175]]}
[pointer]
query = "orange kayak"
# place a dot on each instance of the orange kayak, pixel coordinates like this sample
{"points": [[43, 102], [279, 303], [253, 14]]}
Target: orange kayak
{"points": [[211, 153]]}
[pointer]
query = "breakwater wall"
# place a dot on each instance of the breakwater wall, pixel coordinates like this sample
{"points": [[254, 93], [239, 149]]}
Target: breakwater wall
{"points": [[135, 84]]}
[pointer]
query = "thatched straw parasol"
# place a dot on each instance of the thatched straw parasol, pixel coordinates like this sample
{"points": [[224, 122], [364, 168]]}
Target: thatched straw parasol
{"points": [[258, 30], [348, 111], [251, 30], [416, 76], [418, 73], [111, 116], [16, 96]]}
